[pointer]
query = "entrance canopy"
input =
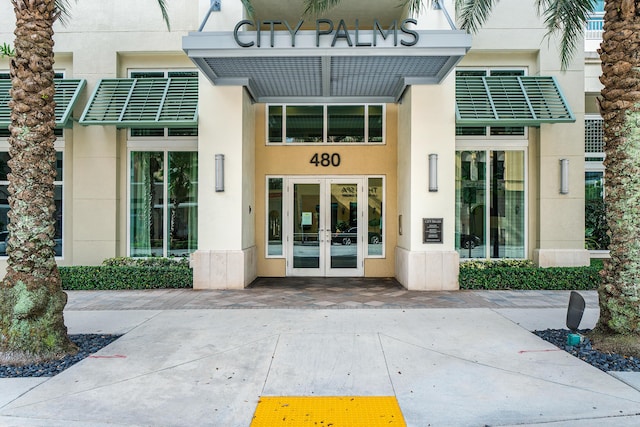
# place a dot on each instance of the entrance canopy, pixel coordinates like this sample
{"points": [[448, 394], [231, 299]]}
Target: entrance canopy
{"points": [[332, 64]]}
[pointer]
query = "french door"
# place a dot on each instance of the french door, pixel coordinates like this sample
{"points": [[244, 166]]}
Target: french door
{"points": [[323, 235]]}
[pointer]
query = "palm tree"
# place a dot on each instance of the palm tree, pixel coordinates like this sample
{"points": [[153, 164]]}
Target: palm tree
{"points": [[31, 298]]}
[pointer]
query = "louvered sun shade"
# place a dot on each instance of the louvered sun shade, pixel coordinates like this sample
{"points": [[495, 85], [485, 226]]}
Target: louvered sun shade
{"points": [[145, 102], [67, 91], [509, 101]]}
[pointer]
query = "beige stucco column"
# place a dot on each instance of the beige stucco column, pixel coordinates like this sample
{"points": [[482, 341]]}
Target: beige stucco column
{"points": [[226, 255], [426, 125], [561, 216]]}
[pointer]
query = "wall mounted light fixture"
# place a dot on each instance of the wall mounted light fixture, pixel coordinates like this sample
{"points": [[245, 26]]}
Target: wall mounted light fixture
{"points": [[219, 172], [433, 172], [564, 176]]}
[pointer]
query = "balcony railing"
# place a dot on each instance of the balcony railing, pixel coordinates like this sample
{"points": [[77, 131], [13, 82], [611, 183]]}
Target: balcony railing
{"points": [[595, 27]]}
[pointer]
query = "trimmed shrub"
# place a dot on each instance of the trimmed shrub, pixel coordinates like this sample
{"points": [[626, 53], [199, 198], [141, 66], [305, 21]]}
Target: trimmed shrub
{"points": [[146, 262], [128, 277], [523, 275]]}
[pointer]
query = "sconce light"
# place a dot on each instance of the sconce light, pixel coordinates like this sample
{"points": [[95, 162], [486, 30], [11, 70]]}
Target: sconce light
{"points": [[433, 172], [219, 172], [564, 176]]}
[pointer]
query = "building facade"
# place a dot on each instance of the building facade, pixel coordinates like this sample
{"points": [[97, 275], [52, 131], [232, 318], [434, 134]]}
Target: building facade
{"points": [[364, 142]]}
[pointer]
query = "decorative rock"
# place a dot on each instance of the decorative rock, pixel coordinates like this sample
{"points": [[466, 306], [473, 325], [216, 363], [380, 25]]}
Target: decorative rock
{"points": [[584, 351], [87, 345]]}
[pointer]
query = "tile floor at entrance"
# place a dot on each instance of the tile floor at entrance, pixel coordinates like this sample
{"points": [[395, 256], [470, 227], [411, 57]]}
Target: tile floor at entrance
{"points": [[317, 293]]}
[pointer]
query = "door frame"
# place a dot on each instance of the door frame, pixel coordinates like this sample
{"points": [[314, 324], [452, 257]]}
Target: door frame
{"points": [[325, 235]]}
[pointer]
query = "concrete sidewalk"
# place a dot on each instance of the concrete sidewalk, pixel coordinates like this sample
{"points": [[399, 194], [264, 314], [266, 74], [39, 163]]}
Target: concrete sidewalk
{"points": [[208, 367]]}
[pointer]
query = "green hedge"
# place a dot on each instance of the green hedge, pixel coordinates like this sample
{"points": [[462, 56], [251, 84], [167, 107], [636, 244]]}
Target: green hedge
{"points": [[131, 277], [163, 273], [525, 276]]}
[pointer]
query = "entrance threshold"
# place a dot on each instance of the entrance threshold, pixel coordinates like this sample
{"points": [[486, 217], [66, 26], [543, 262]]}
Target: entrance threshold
{"points": [[325, 283]]}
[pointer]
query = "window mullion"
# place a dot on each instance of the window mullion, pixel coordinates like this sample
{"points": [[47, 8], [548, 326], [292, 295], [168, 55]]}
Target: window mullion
{"points": [[165, 207], [325, 123], [284, 124], [366, 123], [487, 203]]}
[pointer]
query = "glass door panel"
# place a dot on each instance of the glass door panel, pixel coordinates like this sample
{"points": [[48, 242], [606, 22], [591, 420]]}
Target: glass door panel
{"points": [[344, 226], [306, 227], [324, 237]]}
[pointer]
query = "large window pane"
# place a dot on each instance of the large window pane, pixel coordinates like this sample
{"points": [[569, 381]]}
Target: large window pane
{"points": [[182, 221], [147, 199], [274, 217], [507, 204], [595, 227], [4, 204], [376, 222], [305, 123], [471, 167], [345, 123]]}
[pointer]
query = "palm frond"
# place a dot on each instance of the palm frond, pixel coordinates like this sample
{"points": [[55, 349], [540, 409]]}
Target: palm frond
{"points": [[415, 7], [567, 18], [63, 8], [472, 14], [165, 16], [248, 6], [316, 7]]}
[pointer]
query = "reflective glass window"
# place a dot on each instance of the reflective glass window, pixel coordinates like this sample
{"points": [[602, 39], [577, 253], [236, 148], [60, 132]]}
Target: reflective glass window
{"points": [[595, 227], [345, 123], [305, 123], [490, 197], [375, 230], [274, 217]]}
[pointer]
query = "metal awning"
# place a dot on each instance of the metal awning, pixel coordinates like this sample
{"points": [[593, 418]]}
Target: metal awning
{"points": [[144, 103], [510, 101], [67, 91], [316, 69]]}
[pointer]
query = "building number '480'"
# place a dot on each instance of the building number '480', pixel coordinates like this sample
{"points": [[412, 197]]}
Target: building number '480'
{"points": [[325, 159]]}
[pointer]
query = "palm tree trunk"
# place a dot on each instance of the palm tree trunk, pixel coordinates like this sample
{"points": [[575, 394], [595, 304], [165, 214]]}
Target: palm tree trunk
{"points": [[31, 298], [620, 108]]}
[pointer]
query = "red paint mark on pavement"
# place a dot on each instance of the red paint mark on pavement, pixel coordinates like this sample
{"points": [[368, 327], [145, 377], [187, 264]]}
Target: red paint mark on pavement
{"points": [[538, 351], [115, 356]]}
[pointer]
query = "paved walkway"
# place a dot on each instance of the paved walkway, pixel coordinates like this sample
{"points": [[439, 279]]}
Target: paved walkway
{"points": [[317, 293], [449, 358]]}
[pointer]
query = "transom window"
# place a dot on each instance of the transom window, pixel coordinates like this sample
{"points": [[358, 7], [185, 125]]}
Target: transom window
{"points": [[162, 132], [491, 131], [317, 124]]}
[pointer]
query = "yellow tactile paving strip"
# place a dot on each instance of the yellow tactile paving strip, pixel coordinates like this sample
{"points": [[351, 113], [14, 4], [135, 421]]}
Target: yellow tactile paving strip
{"points": [[328, 411]]}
